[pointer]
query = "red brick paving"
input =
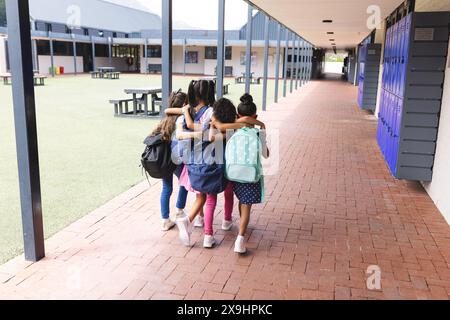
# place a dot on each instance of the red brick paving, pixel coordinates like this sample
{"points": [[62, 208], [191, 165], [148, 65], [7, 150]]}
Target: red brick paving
{"points": [[331, 212]]}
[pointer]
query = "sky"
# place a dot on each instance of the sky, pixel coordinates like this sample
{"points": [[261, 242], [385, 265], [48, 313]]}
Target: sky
{"points": [[197, 14]]}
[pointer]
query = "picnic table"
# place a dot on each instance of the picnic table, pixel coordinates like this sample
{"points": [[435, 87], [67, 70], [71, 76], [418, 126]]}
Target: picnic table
{"points": [[253, 80], [6, 77], [106, 69], [105, 73], [38, 79], [143, 100]]}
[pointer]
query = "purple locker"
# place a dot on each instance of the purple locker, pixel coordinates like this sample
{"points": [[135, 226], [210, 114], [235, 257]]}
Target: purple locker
{"points": [[395, 53], [380, 119], [386, 58], [405, 53], [400, 61]]}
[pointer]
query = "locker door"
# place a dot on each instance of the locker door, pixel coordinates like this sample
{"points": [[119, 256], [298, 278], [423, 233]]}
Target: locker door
{"points": [[386, 58], [385, 122], [387, 126], [397, 132], [406, 46], [380, 119], [394, 148], [361, 92], [401, 31], [396, 57]]}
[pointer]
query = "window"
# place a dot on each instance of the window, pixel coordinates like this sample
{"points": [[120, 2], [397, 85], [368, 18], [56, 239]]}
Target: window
{"points": [[43, 47], [101, 50], [228, 53], [100, 33], [114, 35], [290, 58], [243, 58], [120, 51], [61, 48], [191, 57], [86, 31], [68, 30], [48, 27], [211, 53], [154, 51]]}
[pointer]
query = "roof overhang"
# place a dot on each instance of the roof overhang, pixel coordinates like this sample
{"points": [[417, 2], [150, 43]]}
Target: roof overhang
{"points": [[350, 18]]}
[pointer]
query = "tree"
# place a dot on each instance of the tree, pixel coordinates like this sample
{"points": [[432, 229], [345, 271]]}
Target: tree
{"points": [[2, 13]]}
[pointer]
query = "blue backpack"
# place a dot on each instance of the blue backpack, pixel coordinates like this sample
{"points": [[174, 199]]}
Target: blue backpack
{"points": [[182, 148], [205, 175]]}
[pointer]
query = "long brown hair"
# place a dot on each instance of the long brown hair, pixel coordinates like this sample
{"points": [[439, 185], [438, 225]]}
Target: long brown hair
{"points": [[167, 126]]}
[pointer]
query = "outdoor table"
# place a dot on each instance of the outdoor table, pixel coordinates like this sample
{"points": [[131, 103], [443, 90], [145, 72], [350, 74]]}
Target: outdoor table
{"points": [[6, 78], [104, 70], [145, 92]]}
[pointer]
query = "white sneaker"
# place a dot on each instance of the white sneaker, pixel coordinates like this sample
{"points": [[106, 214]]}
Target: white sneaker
{"points": [[239, 246], [184, 228], [167, 224], [199, 222], [209, 242], [181, 214], [227, 225]]}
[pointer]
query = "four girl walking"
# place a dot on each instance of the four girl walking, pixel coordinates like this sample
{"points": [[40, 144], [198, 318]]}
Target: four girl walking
{"points": [[214, 148]]}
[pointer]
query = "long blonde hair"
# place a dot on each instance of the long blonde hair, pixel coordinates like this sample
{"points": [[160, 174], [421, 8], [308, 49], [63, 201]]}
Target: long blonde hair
{"points": [[167, 126]]}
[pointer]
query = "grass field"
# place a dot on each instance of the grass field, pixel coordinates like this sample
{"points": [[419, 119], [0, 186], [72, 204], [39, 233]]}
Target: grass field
{"points": [[87, 156]]}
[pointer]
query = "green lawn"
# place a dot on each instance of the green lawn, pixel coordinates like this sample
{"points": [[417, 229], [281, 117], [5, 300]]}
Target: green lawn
{"points": [[87, 156]]}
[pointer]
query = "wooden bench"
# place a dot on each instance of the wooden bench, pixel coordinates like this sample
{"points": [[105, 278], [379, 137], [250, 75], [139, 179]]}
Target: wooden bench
{"points": [[154, 68], [239, 80], [6, 79], [112, 75], [39, 80], [96, 74], [119, 105], [156, 101], [253, 80]]}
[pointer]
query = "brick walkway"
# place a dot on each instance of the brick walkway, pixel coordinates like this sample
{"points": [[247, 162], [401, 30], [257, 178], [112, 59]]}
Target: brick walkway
{"points": [[333, 211]]}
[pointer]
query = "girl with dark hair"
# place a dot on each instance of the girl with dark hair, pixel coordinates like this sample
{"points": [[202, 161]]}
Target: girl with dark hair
{"points": [[248, 194], [167, 128], [225, 119], [197, 118]]}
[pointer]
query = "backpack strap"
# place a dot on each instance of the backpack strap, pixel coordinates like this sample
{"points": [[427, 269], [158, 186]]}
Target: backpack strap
{"points": [[200, 114], [263, 191]]}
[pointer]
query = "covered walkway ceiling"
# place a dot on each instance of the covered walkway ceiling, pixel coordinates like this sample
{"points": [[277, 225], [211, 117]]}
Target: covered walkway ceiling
{"points": [[305, 17]]}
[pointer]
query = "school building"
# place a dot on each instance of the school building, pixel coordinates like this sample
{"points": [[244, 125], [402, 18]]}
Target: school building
{"points": [[364, 176], [119, 40]]}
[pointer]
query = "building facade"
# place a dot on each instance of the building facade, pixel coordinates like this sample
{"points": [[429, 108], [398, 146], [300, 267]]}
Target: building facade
{"points": [[78, 40]]}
